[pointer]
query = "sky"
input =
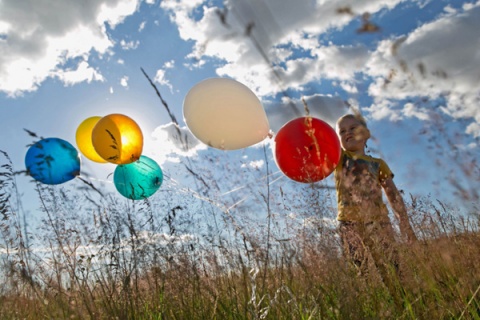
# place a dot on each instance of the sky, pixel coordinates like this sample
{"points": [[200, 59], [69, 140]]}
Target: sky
{"points": [[410, 67]]}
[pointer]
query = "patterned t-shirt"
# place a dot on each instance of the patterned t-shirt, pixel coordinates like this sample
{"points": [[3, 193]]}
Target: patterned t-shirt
{"points": [[359, 190]]}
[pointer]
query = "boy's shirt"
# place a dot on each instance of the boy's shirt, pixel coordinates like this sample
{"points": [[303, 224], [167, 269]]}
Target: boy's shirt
{"points": [[359, 190]]}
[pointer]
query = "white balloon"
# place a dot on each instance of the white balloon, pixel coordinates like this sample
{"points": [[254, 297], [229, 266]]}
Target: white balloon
{"points": [[225, 114]]}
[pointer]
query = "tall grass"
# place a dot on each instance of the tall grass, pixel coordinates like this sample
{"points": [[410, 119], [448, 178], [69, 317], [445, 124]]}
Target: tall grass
{"points": [[195, 255]]}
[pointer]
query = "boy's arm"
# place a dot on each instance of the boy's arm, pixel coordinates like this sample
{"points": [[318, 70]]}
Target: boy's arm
{"points": [[396, 202]]}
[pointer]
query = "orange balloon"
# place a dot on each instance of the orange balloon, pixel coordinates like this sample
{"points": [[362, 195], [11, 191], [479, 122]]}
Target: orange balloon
{"points": [[83, 138], [118, 139]]}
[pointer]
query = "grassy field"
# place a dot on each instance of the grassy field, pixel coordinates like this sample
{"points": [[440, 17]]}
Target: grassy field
{"points": [[97, 256]]}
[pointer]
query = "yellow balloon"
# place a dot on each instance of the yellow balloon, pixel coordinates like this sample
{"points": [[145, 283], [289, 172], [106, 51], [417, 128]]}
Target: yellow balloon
{"points": [[118, 139], [225, 114], [84, 139]]}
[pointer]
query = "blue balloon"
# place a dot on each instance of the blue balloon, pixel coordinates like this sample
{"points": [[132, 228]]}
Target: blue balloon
{"points": [[139, 179], [52, 161]]}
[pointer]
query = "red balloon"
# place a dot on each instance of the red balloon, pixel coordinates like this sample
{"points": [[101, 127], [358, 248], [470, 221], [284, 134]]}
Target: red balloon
{"points": [[307, 149]]}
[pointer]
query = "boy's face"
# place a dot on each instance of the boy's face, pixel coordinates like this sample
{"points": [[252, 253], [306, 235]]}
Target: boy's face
{"points": [[353, 135]]}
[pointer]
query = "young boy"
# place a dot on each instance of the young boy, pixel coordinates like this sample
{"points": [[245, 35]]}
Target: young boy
{"points": [[360, 179]]}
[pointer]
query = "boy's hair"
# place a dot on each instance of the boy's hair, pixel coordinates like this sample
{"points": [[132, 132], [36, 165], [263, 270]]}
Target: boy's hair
{"points": [[358, 117]]}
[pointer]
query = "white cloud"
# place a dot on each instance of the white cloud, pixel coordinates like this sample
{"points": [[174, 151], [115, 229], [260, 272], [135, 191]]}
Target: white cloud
{"points": [[114, 12], [440, 59], [442, 56], [124, 82], [169, 64], [173, 142], [39, 38], [410, 110], [269, 45], [83, 72], [349, 87], [129, 45], [255, 164], [326, 108], [160, 76], [327, 62], [473, 129], [449, 9], [247, 32], [381, 110]]}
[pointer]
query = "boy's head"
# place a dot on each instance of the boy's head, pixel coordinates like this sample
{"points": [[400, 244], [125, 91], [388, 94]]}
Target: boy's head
{"points": [[353, 133]]}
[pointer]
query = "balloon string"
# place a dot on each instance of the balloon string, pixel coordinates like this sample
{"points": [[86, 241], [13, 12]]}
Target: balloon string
{"points": [[233, 190], [238, 202], [186, 190], [180, 188], [244, 186], [226, 210], [273, 181]]}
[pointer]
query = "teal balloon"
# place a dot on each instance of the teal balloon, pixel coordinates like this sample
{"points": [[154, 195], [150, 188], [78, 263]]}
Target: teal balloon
{"points": [[52, 161], [138, 180]]}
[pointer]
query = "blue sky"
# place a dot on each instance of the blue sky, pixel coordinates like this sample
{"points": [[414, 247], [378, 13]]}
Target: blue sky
{"points": [[415, 79]]}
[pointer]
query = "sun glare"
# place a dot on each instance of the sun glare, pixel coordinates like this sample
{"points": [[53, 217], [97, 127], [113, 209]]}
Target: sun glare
{"points": [[125, 140]]}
